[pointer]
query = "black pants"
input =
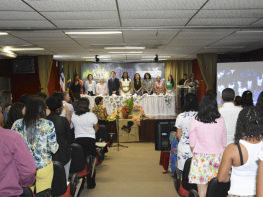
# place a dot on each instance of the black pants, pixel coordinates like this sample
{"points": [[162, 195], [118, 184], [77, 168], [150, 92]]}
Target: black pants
{"points": [[90, 93], [90, 149]]}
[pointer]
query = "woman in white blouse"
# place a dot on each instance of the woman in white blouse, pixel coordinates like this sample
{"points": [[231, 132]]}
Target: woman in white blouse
{"points": [[125, 84], [101, 88], [90, 86]]}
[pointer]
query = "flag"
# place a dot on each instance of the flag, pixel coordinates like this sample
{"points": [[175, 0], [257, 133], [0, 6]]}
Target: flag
{"points": [[69, 79], [76, 71], [62, 81]]}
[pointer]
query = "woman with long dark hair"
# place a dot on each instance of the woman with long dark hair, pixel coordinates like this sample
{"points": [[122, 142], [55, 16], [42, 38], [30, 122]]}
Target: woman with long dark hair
{"points": [[17, 111], [147, 84], [247, 99], [137, 84], [182, 124], [5, 102], [193, 83], [170, 86], [86, 125], [125, 84], [39, 134], [207, 139], [242, 155], [76, 85]]}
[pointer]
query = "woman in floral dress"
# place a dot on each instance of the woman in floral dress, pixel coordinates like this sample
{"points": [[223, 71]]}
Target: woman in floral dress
{"points": [[99, 110], [182, 124], [207, 139]]}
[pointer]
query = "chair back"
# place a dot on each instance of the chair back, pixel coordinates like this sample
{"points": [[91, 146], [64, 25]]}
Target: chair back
{"points": [[27, 192], [102, 133], [185, 181], [59, 183], [193, 193], [78, 160], [216, 189]]}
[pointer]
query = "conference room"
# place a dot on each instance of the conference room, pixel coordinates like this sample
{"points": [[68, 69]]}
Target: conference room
{"points": [[127, 93]]}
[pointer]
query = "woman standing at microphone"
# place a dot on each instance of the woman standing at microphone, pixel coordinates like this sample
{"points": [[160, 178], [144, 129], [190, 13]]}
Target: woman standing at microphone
{"points": [[193, 83]]}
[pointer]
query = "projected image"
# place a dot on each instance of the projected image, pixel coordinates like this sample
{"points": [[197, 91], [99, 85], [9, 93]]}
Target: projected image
{"points": [[240, 76]]}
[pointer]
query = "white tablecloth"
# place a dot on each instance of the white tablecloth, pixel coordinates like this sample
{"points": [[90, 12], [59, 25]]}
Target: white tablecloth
{"points": [[152, 106]]}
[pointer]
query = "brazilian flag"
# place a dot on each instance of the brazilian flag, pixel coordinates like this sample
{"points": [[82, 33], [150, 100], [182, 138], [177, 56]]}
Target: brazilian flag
{"points": [[69, 79]]}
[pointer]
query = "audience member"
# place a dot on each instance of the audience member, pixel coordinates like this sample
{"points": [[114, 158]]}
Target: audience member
{"points": [[65, 111], [101, 87], [125, 85], [242, 156], [76, 98], [17, 111], [66, 101], [147, 84], [24, 98], [62, 129], [5, 102], [90, 86], [99, 110], [86, 125], [137, 84], [247, 99], [158, 86], [17, 165], [170, 86], [260, 101], [40, 137], [207, 139], [211, 91], [76, 85], [238, 101], [230, 113], [183, 121], [113, 84], [42, 95]]}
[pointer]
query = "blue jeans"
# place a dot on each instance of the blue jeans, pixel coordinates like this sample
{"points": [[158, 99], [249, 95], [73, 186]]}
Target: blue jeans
{"points": [[144, 92], [139, 93]]}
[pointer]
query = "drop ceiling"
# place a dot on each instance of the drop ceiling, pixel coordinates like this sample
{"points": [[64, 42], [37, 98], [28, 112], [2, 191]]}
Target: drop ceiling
{"points": [[177, 28]]}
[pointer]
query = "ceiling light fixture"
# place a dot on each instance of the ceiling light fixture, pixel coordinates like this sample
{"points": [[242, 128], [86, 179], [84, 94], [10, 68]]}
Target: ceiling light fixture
{"points": [[3, 33], [160, 56], [126, 47], [93, 33], [25, 49], [151, 59], [249, 31], [120, 52], [231, 47], [92, 57]]}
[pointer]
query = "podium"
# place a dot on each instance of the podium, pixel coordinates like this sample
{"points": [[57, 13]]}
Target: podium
{"points": [[182, 90]]}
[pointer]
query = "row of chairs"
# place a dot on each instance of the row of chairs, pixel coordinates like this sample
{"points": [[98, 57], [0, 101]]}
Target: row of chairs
{"points": [[215, 189]]}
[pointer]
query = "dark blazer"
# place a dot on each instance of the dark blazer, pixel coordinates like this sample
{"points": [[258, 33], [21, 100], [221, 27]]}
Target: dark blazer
{"points": [[113, 86]]}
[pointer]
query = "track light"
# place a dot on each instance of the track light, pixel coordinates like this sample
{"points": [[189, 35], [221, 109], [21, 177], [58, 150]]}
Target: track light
{"points": [[97, 59], [156, 58]]}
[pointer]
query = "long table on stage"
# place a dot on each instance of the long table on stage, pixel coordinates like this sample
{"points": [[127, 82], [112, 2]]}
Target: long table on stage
{"points": [[146, 130], [152, 105]]}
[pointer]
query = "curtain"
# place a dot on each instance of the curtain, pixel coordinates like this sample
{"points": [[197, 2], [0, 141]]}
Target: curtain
{"points": [[207, 63], [44, 69], [72, 66], [177, 68]]}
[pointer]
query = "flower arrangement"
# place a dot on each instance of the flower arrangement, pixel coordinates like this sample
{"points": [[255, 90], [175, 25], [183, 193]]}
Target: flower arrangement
{"points": [[129, 104], [125, 109]]}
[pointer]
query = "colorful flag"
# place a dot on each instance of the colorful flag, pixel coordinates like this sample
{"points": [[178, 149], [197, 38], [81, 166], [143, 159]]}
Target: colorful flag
{"points": [[69, 79], [62, 81]]}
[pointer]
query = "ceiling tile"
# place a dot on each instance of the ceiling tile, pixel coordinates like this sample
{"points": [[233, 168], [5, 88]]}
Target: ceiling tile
{"points": [[26, 24], [258, 23], [159, 5], [40, 34], [221, 21], [254, 13], [153, 22], [86, 23], [72, 5], [19, 16], [234, 4], [11, 5]]}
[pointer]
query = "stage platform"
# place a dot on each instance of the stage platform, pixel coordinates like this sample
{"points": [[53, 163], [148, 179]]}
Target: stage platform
{"points": [[146, 130]]}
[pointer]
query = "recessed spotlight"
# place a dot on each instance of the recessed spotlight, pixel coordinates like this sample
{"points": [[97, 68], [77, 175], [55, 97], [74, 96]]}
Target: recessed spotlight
{"points": [[120, 52], [3, 33], [25, 49], [93, 32], [117, 48]]}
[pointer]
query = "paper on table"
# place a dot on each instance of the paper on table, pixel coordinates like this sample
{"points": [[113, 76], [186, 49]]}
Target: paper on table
{"points": [[101, 144]]}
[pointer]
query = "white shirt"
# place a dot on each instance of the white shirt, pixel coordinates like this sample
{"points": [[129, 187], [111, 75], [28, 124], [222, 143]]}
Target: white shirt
{"points": [[230, 113], [101, 88], [87, 87], [84, 124]]}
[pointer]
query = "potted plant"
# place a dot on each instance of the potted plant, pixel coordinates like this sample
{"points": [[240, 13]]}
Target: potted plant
{"points": [[130, 103], [125, 111]]}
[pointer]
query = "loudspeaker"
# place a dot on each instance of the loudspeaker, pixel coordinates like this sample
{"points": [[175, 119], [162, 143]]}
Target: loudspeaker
{"points": [[162, 135]]}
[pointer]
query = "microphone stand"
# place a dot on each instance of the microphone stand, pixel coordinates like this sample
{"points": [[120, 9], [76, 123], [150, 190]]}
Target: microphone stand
{"points": [[118, 138]]}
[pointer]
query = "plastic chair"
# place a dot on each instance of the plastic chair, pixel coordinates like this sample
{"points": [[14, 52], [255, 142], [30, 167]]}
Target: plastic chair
{"points": [[217, 189], [185, 181], [193, 193], [27, 192], [60, 187]]}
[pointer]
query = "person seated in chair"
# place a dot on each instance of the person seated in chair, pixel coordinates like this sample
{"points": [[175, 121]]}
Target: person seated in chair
{"points": [[99, 110], [17, 165], [62, 129], [76, 98]]}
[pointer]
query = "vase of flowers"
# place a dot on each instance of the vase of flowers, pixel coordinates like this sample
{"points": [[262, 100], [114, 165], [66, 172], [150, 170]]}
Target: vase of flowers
{"points": [[125, 111]]}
